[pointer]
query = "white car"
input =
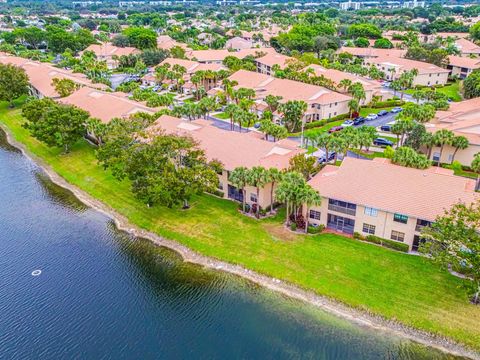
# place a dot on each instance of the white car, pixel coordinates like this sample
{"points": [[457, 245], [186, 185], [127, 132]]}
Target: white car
{"points": [[347, 123], [371, 117]]}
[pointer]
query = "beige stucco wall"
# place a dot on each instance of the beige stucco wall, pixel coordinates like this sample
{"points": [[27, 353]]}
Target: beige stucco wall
{"points": [[465, 157], [319, 112], [264, 198], [383, 222], [431, 79]]}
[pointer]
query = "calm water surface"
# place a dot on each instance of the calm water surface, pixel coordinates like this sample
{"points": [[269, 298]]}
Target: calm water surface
{"points": [[103, 294]]}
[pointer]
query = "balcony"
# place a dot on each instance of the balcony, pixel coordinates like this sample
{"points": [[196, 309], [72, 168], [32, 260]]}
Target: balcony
{"points": [[342, 209]]}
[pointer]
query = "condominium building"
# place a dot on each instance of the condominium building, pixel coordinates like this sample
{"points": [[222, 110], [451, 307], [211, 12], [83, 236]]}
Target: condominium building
{"points": [[376, 197]]}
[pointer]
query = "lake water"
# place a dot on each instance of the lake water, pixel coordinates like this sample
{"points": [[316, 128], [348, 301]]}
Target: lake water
{"points": [[103, 294]]}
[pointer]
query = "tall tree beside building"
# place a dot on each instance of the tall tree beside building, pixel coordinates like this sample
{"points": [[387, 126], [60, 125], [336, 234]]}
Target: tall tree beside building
{"points": [[239, 178], [293, 111], [258, 178], [56, 125], [13, 83], [64, 87], [453, 241]]}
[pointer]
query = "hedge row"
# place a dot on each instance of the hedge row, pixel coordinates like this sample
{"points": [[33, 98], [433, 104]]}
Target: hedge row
{"points": [[319, 123], [391, 244], [387, 103]]}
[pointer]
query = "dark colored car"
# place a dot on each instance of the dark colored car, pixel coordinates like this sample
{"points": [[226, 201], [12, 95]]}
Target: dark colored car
{"points": [[382, 112], [331, 156], [335, 129], [359, 120], [386, 128], [382, 142]]}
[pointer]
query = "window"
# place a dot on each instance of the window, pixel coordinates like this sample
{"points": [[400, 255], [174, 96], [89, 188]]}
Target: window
{"points": [[371, 211], [314, 215], [253, 197], [397, 236], [400, 218], [436, 156], [368, 229]]}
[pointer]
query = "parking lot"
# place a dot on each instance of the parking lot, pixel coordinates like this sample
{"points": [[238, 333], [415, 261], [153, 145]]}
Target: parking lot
{"points": [[381, 120]]}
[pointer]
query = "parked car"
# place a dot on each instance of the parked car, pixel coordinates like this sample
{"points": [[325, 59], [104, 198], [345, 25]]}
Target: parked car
{"points": [[382, 142], [382, 112], [256, 125], [359, 120], [371, 117], [396, 110], [386, 84], [347, 123], [335, 129], [386, 128], [331, 155]]}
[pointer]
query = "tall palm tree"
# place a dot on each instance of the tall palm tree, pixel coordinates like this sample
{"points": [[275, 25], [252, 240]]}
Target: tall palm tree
{"points": [[344, 84], [289, 190], [274, 177], [323, 140], [443, 137], [239, 178], [459, 143], [230, 110], [309, 197], [257, 177], [353, 106], [476, 167]]}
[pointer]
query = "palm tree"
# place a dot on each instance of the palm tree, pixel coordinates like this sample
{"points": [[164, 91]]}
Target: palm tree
{"points": [[289, 190], [353, 106], [428, 141], [230, 110], [476, 167], [239, 178], [345, 84], [257, 177], [274, 176], [309, 197], [459, 143], [443, 137], [322, 140]]}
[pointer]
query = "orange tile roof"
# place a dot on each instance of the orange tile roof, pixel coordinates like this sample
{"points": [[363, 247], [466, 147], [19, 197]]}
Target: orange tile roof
{"points": [[288, 89], [275, 59], [219, 55], [464, 62], [407, 64], [231, 148], [463, 118], [423, 194], [372, 52], [108, 50], [336, 76], [104, 105], [41, 75]]}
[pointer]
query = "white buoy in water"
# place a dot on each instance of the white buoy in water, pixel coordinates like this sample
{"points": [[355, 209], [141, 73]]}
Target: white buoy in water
{"points": [[36, 272]]}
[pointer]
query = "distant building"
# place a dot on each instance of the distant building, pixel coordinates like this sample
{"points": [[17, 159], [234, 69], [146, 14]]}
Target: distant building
{"points": [[413, 4], [82, 4], [130, 3], [350, 5]]}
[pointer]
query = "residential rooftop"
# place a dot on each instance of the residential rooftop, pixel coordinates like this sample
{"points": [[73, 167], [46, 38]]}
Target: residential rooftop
{"points": [[423, 194], [231, 148], [104, 105], [288, 89], [463, 118], [221, 54], [408, 65]]}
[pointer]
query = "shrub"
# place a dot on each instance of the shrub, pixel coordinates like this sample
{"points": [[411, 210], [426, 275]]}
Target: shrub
{"points": [[219, 194], [373, 239], [315, 229], [395, 245], [293, 226], [300, 222], [387, 103], [358, 236]]}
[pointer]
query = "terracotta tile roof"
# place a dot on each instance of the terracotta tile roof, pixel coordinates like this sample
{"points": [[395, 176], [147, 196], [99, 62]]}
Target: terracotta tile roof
{"points": [[105, 105], [232, 148], [466, 46], [423, 194], [464, 62], [219, 55], [108, 50], [407, 64], [275, 59], [372, 52], [336, 76], [288, 89], [41, 75], [463, 118]]}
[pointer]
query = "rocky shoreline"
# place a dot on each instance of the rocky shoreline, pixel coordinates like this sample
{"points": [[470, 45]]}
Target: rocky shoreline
{"points": [[358, 317]]}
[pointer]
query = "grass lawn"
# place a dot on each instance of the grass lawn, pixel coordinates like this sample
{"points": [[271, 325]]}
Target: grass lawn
{"points": [[397, 286], [222, 116], [452, 91], [369, 155]]}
